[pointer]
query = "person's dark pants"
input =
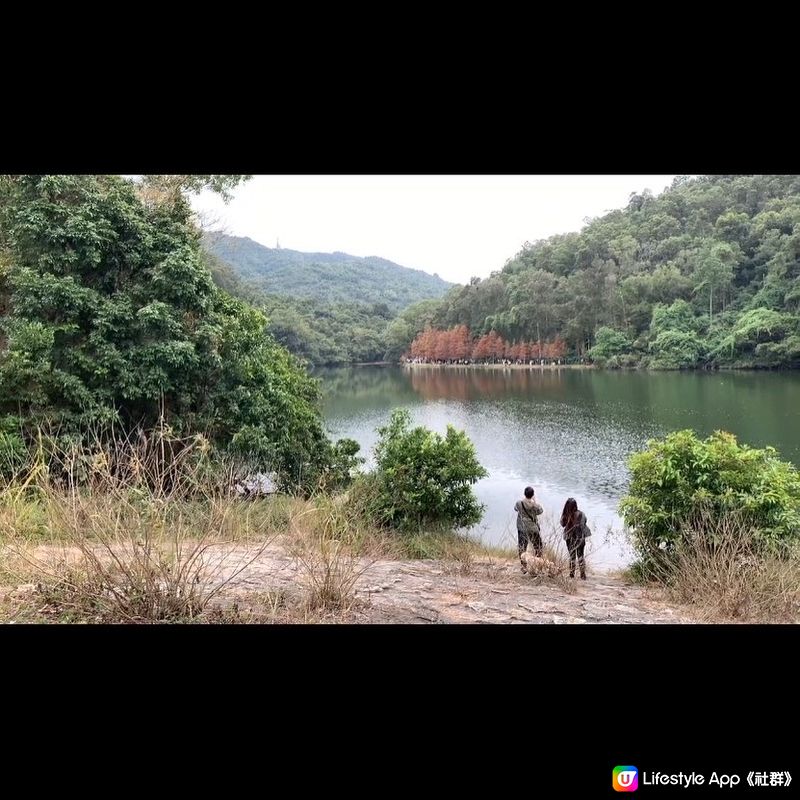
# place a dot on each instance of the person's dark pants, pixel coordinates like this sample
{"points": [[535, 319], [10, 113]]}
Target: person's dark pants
{"points": [[522, 542], [575, 545]]}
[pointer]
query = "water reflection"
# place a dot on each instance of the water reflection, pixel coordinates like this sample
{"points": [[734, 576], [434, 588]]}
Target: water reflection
{"points": [[567, 432], [464, 383]]}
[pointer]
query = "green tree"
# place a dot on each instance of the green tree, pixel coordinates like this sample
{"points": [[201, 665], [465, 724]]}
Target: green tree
{"points": [[402, 330], [758, 336], [674, 349], [112, 317], [679, 317], [733, 227], [423, 478], [714, 271], [607, 344], [172, 185], [681, 475], [669, 284]]}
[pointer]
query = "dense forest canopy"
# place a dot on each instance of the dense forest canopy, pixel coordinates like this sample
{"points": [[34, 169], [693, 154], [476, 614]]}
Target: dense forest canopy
{"points": [[358, 312], [704, 274], [314, 330], [109, 316]]}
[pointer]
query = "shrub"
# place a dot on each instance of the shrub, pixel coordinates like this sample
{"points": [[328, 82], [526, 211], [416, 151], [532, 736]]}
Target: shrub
{"points": [[624, 361], [422, 478], [674, 349], [680, 476], [146, 539], [609, 345], [760, 337], [716, 569]]}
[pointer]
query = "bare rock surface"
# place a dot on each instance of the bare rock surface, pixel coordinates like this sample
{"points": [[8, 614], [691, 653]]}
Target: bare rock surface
{"points": [[487, 592]]}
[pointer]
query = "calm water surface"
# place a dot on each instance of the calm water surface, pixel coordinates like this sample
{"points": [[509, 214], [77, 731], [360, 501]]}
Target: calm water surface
{"points": [[566, 432]]}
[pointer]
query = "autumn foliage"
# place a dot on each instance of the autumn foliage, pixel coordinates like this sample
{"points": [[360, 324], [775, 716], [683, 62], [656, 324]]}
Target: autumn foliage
{"points": [[457, 344]]}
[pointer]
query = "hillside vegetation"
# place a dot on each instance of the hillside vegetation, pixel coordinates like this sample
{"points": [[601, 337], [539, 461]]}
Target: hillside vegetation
{"points": [[703, 275], [111, 326], [329, 277], [362, 327]]}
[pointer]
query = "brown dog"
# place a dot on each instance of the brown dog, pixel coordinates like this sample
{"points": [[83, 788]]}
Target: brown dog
{"points": [[540, 566]]}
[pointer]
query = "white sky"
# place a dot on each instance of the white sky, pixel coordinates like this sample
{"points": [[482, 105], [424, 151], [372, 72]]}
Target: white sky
{"points": [[458, 226]]}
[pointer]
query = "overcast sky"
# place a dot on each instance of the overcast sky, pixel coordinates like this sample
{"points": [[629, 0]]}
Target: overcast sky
{"points": [[458, 226]]}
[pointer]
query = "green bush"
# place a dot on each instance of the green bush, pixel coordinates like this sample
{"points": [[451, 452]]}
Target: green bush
{"points": [[623, 361], [422, 478], [342, 460], [676, 317], [109, 318], [673, 349], [760, 337], [680, 477], [609, 345]]}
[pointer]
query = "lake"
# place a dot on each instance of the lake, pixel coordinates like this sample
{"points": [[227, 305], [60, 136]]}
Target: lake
{"points": [[566, 432]]}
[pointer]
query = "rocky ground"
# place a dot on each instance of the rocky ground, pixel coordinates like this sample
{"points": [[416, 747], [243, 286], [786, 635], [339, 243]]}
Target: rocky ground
{"points": [[479, 590], [484, 591]]}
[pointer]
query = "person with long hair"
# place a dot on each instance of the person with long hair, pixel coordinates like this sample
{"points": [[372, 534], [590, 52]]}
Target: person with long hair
{"points": [[573, 520]]}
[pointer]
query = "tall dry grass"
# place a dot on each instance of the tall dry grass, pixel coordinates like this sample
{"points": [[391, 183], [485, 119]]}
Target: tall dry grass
{"points": [[132, 530], [333, 546], [553, 569], [719, 571]]}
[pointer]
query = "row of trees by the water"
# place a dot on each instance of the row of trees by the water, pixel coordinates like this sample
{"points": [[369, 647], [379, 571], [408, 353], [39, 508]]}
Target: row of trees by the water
{"points": [[458, 346], [706, 274]]}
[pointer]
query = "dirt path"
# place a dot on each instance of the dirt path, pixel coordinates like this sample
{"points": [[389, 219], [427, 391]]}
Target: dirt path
{"points": [[490, 592], [388, 591]]}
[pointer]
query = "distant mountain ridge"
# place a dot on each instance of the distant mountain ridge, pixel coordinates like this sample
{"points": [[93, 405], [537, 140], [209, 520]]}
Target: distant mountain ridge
{"points": [[332, 277]]}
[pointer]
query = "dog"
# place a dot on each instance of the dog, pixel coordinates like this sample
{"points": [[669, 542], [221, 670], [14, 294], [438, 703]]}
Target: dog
{"points": [[539, 566]]}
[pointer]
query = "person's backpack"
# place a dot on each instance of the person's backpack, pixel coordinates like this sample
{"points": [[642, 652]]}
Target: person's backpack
{"points": [[531, 517]]}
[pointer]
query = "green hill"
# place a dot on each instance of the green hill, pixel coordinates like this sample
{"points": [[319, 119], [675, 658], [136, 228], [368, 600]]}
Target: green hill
{"points": [[705, 274], [323, 332], [329, 277]]}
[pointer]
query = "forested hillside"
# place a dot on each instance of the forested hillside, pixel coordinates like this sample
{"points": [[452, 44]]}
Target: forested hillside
{"points": [[111, 326], [316, 331], [335, 329], [329, 277], [704, 274]]}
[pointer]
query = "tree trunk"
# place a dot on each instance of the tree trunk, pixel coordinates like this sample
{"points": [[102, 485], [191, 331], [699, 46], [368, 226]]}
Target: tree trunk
{"points": [[624, 310]]}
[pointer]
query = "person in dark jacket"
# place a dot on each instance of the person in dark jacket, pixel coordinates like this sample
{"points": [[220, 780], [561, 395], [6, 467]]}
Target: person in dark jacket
{"points": [[573, 520], [528, 525]]}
